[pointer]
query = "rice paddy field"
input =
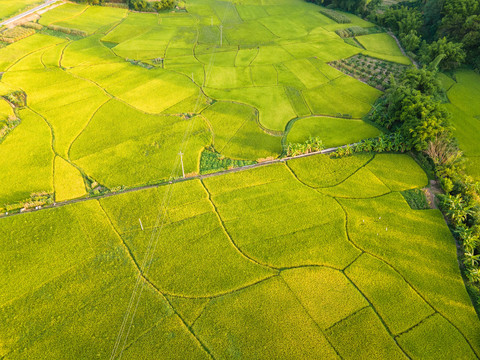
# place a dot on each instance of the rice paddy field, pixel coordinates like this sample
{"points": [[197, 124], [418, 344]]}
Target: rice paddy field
{"points": [[309, 258], [238, 271], [465, 109]]}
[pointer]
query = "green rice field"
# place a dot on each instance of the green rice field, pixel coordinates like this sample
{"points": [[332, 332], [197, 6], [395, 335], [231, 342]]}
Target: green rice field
{"points": [[465, 109], [252, 277], [9, 8], [160, 74], [316, 257]]}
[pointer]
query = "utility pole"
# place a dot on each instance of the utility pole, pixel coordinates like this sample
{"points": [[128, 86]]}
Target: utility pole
{"points": [[221, 35], [181, 160], [141, 225]]}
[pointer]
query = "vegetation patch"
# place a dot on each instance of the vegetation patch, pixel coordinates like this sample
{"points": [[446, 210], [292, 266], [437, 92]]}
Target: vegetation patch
{"points": [[416, 199], [16, 34], [374, 72], [212, 161], [336, 16]]}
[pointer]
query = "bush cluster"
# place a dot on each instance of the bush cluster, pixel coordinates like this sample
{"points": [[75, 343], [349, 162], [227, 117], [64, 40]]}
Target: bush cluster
{"points": [[384, 143], [33, 25], [313, 144], [336, 16], [211, 161], [67, 31]]}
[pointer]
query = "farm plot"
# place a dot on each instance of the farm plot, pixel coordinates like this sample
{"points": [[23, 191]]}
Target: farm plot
{"points": [[233, 275], [465, 110], [332, 131]]}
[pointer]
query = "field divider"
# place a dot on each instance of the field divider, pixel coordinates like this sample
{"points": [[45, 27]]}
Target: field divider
{"points": [[404, 279], [322, 331], [222, 224]]}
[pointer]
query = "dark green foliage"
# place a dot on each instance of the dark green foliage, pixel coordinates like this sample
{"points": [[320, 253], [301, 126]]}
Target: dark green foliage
{"points": [[410, 107], [17, 98], [402, 20], [143, 5], [336, 16], [453, 53], [416, 199], [311, 145], [211, 161]]}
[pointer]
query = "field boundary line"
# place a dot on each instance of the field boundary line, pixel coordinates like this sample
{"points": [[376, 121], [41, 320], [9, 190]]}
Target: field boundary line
{"points": [[404, 279], [222, 224], [310, 316], [347, 317], [85, 127], [378, 316]]}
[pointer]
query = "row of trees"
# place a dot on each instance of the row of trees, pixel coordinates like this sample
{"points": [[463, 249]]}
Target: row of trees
{"points": [[412, 108], [138, 5]]}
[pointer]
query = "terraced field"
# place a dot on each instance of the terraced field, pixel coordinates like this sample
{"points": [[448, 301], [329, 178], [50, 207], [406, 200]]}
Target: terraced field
{"points": [[304, 259], [118, 102], [465, 109], [307, 258]]}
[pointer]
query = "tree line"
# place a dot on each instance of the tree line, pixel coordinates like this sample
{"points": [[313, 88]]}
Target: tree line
{"points": [[426, 28], [137, 5]]}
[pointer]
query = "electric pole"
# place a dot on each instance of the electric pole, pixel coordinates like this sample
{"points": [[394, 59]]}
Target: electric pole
{"points": [[181, 160], [221, 35]]}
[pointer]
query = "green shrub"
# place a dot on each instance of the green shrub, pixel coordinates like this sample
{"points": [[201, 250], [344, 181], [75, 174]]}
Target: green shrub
{"points": [[416, 199], [336, 16]]}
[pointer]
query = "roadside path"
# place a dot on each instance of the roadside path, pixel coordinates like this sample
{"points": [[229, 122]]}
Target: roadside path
{"points": [[402, 49], [29, 12], [178, 180]]}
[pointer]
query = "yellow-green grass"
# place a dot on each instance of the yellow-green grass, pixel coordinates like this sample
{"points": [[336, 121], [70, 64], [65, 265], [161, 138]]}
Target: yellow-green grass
{"points": [[332, 131], [357, 89], [398, 172], [93, 19], [361, 184], [323, 171], [272, 103], [387, 57], [134, 25], [276, 207], [88, 51], [236, 133], [271, 54], [59, 291], [251, 12], [283, 27], [228, 77], [50, 94], [379, 227], [61, 13], [152, 158], [140, 87], [264, 75], [465, 109], [6, 110], [399, 305], [331, 294], [246, 56], [307, 73], [327, 294], [265, 321], [440, 331], [26, 160], [380, 43], [362, 336], [68, 182], [328, 50], [9, 55], [332, 100], [247, 33], [10, 8], [201, 243]]}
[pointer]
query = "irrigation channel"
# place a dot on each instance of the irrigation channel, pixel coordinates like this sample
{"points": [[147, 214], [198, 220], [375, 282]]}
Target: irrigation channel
{"points": [[174, 181]]}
